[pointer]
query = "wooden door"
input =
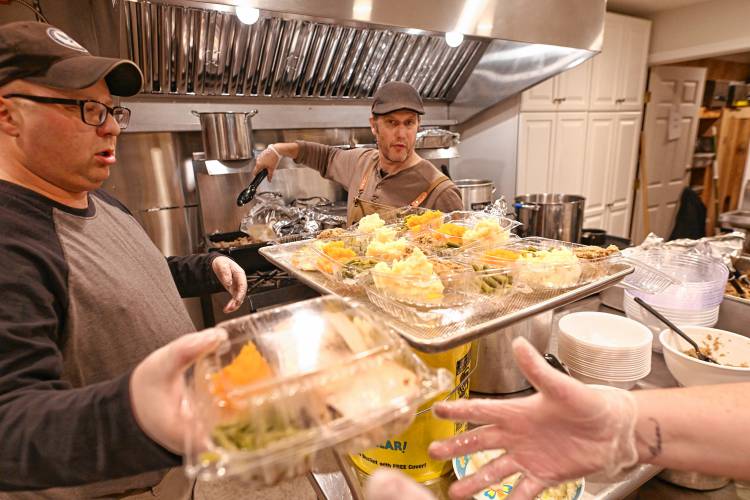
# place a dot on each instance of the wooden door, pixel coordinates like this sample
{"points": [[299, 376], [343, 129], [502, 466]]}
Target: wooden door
{"points": [[600, 145], [569, 152], [540, 97], [536, 136], [622, 174], [734, 134], [631, 74], [676, 93], [573, 88]]}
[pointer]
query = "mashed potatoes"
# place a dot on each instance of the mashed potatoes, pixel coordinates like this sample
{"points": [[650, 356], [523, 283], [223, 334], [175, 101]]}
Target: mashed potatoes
{"points": [[555, 268], [385, 245], [412, 279], [487, 231], [369, 223]]}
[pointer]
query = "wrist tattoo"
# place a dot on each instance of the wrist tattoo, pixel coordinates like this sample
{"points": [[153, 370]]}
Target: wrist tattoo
{"points": [[655, 448]]}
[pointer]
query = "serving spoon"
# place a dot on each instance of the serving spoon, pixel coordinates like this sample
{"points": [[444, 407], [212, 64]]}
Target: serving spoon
{"points": [[675, 329]]}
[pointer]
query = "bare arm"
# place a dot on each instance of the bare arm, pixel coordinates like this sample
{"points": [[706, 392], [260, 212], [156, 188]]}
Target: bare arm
{"points": [[701, 429], [569, 430]]}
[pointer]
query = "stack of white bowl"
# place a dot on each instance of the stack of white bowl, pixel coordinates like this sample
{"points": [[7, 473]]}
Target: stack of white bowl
{"points": [[680, 316], [694, 301], [601, 348]]}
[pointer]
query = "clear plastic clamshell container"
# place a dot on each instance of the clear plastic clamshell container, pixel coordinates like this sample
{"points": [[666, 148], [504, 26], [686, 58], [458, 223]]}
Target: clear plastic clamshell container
{"points": [[424, 295], [393, 215], [343, 258], [542, 264], [445, 286], [462, 231], [298, 379]]}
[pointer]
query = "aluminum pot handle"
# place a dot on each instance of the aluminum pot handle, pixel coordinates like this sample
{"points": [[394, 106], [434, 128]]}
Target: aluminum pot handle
{"points": [[494, 189], [520, 204], [195, 113], [252, 113]]}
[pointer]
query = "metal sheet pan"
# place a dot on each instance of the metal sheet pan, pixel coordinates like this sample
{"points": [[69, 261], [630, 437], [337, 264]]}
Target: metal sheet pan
{"points": [[488, 319]]}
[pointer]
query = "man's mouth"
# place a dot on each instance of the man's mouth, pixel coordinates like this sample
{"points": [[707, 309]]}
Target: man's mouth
{"points": [[106, 156]]}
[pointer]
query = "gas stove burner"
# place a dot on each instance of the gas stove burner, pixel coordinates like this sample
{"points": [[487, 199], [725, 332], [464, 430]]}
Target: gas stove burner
{"points": [[261, 281]]}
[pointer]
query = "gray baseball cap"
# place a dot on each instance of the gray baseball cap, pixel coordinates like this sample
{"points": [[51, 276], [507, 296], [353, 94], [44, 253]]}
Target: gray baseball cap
{"points": [[43, 54], [394, 96]]}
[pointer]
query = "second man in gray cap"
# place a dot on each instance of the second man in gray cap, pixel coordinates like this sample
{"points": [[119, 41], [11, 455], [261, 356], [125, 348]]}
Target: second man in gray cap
{"points": [[393, 175]]}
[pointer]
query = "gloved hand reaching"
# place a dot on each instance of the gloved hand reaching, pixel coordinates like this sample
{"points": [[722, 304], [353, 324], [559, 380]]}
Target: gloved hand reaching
{"points": [[565, 431], [233, 279], [268, 159]]}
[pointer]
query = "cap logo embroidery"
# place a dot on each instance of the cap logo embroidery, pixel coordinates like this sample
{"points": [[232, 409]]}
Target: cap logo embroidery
{"points": [[62, 38]]}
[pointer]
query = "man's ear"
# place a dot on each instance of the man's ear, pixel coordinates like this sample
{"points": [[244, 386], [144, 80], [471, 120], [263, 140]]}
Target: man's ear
{"points": [[374, 125], [9, 117]]}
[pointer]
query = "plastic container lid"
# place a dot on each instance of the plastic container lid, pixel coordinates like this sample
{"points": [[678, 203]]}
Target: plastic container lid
{"points": [[297, 379], [699, 280]]}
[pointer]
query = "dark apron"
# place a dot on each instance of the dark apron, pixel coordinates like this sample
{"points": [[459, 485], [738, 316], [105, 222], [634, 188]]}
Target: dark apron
{"points": [[362, 207]]}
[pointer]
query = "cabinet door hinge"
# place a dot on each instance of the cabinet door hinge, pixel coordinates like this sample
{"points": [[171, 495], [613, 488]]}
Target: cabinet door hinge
{"points": [[647, 96]]}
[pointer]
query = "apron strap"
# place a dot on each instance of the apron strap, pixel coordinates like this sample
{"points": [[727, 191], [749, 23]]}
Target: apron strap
{"points": [[363, 182], [423, 196]]}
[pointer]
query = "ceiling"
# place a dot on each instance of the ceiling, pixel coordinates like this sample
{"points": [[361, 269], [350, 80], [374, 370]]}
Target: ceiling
{"points": [[646, 7]]}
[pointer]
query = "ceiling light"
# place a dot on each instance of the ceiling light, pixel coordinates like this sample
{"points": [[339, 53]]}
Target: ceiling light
{"points": [[247, 14], [454, 38]]}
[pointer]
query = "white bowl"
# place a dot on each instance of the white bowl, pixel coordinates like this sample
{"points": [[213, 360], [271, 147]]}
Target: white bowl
{"points": [[690, 371], [602, 330], [627, 384]]}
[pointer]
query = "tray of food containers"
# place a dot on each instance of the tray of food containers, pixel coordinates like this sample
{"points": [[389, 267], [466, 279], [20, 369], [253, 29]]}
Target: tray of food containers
{"points": [[291, 381], [442, 280]]}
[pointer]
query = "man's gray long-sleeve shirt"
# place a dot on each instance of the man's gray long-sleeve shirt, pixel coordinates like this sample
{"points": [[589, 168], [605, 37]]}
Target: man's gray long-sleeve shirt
{"points": [[84, 297]]}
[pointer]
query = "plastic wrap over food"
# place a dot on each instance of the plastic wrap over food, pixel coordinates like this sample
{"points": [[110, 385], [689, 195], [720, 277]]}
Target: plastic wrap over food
{"points": [[286, 220], [722, 247], [499, 207]]}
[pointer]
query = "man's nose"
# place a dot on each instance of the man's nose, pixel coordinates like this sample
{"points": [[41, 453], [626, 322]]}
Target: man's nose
{"points": [[109, 127]]}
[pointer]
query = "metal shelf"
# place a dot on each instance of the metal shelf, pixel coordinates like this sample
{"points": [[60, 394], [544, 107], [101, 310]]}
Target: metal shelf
{"points": [[489, 318]]}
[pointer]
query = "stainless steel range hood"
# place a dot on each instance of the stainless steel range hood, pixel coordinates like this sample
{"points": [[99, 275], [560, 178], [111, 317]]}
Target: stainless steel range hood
{"points": [[344, 49]]}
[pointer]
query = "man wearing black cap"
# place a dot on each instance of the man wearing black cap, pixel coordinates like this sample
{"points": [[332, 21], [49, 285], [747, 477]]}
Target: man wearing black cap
{"points": [[93, 334], [393, 175]]}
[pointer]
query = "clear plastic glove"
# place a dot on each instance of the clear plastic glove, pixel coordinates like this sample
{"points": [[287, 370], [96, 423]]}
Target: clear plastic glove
{"points": [[268, 159], [388, 484], [565, 431], [232, 277], [157, 387]]}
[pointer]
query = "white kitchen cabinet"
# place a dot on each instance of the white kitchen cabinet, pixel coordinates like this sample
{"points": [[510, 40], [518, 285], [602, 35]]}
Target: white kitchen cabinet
{"points": [[609, 170], [540, 97], [568, 91], [551, 152], [618, 77]]}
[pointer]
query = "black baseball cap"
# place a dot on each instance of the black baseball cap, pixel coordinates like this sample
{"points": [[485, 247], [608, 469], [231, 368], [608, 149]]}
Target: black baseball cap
{"points": [[394, 96], [43, 54]]}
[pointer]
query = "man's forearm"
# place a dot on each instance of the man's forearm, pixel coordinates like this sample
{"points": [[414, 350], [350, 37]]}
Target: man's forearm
{"points": [[702, 429], [288, 149]]}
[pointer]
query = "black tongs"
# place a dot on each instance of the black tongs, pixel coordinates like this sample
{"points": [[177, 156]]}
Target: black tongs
{"points": [[249, 192]]}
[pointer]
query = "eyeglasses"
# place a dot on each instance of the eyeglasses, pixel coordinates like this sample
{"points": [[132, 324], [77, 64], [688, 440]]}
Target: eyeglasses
{"points": [[93, 113]]}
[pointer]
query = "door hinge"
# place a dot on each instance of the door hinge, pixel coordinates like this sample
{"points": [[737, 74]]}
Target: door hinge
{"points": [[647, 96]]}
